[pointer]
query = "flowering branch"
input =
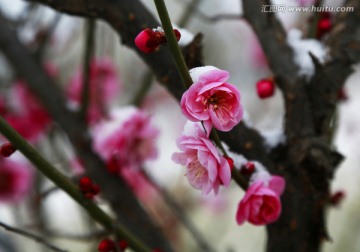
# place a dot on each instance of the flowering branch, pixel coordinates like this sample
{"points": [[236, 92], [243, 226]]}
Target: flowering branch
{"points": [[66, 185], [185, 75], [31, 236], [172, 43], [180, 214], [113, 188]]}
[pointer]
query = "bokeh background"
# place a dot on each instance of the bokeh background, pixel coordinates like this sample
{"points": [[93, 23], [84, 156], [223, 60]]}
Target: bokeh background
{"points": [[229, 44]]}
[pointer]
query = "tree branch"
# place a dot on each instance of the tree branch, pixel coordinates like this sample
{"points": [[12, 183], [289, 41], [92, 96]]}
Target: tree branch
{"points": [[31, 236], [115, 190], [128, 18]]}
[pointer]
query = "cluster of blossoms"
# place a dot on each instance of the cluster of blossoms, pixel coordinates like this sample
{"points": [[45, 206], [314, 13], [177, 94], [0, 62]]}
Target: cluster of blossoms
{"points": [[216, 103], [123, 137], [126, 140]]}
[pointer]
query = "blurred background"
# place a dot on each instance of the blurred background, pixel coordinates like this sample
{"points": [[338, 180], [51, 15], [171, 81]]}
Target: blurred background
{"points": [[229, 44]]}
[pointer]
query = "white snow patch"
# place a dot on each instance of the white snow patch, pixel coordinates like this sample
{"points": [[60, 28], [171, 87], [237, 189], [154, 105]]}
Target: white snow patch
{"points": [[302, 48], [273, 137], [196, 72]]}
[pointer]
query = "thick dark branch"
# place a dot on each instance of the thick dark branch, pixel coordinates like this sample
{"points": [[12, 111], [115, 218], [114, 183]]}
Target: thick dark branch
{"points": [[344, 44], [114, 189], [272, 37]]}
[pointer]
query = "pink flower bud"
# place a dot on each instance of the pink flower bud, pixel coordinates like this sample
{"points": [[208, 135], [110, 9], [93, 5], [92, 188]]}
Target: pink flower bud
{"points": [[265, 88]]}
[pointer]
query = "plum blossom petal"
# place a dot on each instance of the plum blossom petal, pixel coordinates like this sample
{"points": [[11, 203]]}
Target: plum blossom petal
{"points": [[212, 100], [206, 170]]}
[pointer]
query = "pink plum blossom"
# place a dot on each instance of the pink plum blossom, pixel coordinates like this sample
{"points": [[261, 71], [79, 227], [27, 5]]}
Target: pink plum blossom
{"points": [[212, 100], [127, 139], [104, 86], [15, 180], [261, 204], [23, 111], [206, 170]]}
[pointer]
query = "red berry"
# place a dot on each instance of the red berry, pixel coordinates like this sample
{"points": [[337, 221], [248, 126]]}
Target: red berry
{"points": [[323, 27], [85, 184], [248, 169], [106, 245], [7, 149], [230, 162], [265, 88], [123, 245], [337, 198]]}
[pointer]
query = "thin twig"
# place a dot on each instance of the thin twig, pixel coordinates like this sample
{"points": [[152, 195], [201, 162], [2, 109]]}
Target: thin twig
{"points": [[88, 53], [219, 17], [32, 237], [45, 39], [148, 77], [180, 214], [185, 75], [68, 186], [146, 82], [79, 237]]}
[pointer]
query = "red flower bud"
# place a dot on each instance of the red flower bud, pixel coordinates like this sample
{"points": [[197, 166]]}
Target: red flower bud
{"points": [[7, 149], [147, 41], [123, 245], [177, 34], [85, 184], [230, 162], [265, 88], [337, 198], [248, 169], [324, 26], [106, 245], [342, 95]]}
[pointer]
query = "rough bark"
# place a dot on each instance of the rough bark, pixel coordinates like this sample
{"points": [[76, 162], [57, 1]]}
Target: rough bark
{"points": [[308, 160]]}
